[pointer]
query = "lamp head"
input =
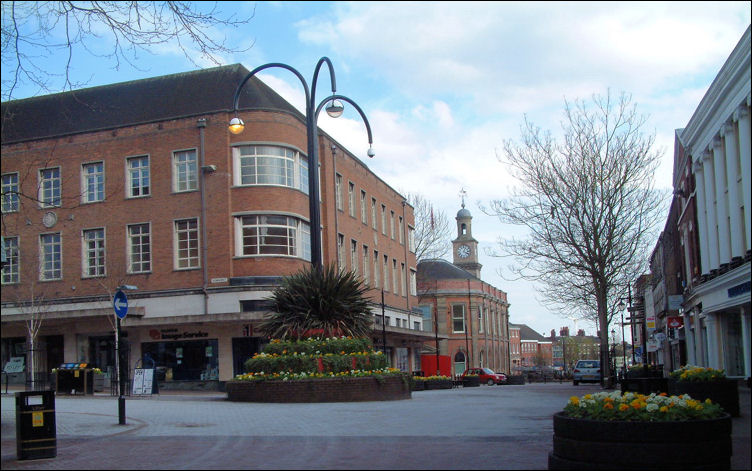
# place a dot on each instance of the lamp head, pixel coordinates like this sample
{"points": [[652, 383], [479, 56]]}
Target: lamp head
{"points": [[236, 125], [335, 108], [371, 152]]}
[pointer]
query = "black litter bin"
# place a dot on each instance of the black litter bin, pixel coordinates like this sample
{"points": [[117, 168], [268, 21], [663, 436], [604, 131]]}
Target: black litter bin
{"points": [[36, 433]]}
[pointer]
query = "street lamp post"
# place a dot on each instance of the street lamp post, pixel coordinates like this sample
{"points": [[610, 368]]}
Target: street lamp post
{"points": [[334, 109], [621, 308]]}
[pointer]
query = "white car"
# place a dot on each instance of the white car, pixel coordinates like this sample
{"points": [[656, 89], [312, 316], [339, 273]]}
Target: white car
{"points": [[586, 371]]}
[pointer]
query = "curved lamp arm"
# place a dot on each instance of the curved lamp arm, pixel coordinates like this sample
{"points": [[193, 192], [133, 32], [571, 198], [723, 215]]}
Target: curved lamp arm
{"points": [[371, 153], [236, 98]]}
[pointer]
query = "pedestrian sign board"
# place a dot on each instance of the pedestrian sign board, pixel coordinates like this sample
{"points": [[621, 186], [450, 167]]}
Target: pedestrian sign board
{"points": [[120, 303], [143, 381]]}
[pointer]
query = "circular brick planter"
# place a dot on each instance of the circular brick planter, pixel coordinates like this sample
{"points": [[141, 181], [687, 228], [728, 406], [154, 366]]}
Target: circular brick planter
{"points": [[388, 388], [593, 444]]}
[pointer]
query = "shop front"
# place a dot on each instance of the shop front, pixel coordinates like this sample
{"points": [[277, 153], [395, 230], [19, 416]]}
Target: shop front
{"points": [[182, 355]]}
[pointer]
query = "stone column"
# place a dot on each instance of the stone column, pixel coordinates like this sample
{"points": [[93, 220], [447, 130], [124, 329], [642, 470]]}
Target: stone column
{"points": [[689, 337], [702, 225], [732, 178], [713, 344], [710, 220], [721, 203], [745, 155], [746, 328]]}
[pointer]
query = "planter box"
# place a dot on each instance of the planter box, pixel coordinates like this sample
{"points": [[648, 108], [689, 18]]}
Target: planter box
{"points": [[593, 444], [470, 381], [417, 385], [389, 388], [644, 385], [439, 384], [516, 379], [724, 392]]}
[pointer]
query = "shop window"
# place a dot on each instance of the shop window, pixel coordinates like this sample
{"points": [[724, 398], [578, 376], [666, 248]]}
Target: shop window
{"points": [[185, 360]]}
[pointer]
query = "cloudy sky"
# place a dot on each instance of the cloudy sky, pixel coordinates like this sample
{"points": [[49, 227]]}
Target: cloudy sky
{"points": [[445, 83]]}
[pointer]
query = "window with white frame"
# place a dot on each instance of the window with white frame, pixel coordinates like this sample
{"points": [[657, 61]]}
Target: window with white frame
{"points": [[395, 277], [363, 208], [50, 257], [401, 231], [376, 269], [351, 197], [480, 319], [338, 190], [271, 234], [50, 187], [383, 219], [458, 318], [411, 239], [354, 256], [413, 282], [92, 180], [391, 224], [270, 165], [341, 251], [366, 268], [403, 280], [139, 248], [374, 216], [386, 272], [93, 256], [184, 170], [10, 193], [11, 273], [186, 244], [139, 178]]}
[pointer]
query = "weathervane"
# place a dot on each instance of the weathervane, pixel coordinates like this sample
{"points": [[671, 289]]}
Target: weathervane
{"points": [[463, 193]]}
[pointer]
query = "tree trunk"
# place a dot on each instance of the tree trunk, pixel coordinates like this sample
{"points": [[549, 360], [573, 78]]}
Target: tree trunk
{"points": [[602, 300]]}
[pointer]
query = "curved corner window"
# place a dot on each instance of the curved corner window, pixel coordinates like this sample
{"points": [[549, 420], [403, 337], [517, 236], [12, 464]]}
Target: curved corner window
{"points": [[270, 234], [270, 165]]}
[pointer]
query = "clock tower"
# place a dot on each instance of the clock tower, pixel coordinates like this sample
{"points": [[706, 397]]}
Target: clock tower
{"points": [[464, 247]]}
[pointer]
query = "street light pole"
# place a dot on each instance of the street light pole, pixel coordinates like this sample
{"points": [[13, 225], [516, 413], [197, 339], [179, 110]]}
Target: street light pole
{"points": [[334, 110]]}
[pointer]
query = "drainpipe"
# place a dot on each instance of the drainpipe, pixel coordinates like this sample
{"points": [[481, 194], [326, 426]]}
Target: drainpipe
{"points": [[203, 170]]}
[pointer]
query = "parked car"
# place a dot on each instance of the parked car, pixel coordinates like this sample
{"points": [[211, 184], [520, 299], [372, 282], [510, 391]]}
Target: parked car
{"points": [[487, 375], [586, 371]]}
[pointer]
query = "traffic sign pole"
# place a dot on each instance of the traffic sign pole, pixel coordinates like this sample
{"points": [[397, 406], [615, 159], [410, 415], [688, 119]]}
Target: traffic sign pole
{"points": [[120, 304]]}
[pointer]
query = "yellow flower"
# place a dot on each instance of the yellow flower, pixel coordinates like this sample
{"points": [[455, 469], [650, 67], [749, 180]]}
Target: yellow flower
{"points": [[574, 400], [623, 407], [663, 409]]}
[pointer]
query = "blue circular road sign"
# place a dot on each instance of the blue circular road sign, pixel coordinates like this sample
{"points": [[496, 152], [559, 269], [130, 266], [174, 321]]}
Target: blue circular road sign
{"points": [[120, 303]]}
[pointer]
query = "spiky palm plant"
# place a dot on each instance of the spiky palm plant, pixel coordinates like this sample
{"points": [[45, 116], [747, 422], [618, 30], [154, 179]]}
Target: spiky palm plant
{"points": [[319, 300]]}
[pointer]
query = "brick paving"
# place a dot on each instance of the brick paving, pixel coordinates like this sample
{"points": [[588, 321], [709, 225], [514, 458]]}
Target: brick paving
{"points": [[489, 427]]}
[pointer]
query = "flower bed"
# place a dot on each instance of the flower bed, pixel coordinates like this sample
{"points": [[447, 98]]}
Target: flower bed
{"points": [[332, 389], [706, 383], [319, 370], [635, 431], [435, 382]]}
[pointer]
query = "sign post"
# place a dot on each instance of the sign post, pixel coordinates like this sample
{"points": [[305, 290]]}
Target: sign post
{"points": [[120, 304]]}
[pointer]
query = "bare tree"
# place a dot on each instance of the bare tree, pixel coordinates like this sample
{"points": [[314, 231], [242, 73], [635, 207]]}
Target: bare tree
{"points": [[116, 31], [588, 204], [432, 230]]}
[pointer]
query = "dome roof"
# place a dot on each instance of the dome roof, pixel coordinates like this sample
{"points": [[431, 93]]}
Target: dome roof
{"points": [[463, 213]]}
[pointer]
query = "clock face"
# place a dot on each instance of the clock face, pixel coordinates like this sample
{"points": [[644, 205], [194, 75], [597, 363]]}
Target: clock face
{"points": [[463, 251]]}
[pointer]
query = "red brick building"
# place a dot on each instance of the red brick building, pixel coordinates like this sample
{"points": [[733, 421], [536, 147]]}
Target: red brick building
{"points": [[141, 183], [470, 316]]}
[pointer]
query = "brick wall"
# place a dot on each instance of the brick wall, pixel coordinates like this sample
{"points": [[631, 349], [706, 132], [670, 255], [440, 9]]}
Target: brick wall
{"points": [[391, 388]]}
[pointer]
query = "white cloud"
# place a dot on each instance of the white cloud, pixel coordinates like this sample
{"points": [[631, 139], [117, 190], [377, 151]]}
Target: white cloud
{"points": [[454, 79]]}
